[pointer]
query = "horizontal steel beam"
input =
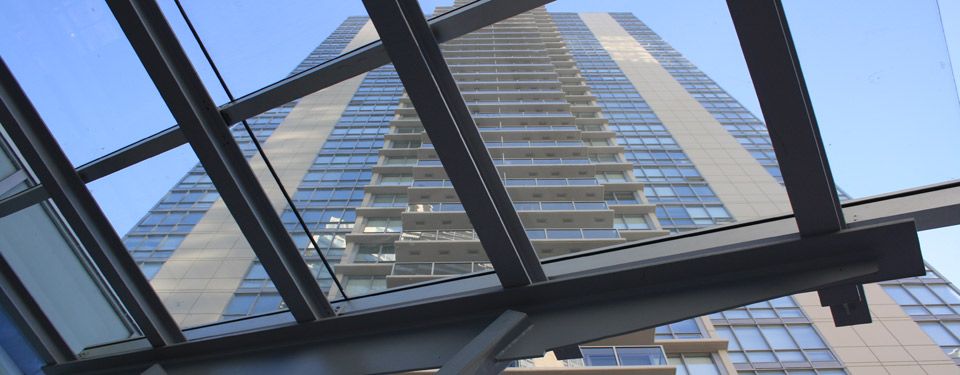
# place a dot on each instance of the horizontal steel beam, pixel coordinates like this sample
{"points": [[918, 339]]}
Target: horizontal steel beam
{"points": [[930, 207], [622, 298], [85, 218], [183, 91], [447, 121]]}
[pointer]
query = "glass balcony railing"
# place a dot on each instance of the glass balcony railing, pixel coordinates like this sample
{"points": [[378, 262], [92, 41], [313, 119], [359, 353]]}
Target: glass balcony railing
{"points": [[520, 206], [528, 128], [521, 114], [533, 234], [530, 161], [497, 144], [439, 268], [516, 102], [519, 182]]}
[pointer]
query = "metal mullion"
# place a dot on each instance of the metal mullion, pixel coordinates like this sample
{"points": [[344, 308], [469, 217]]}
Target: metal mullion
{"points": [[795, 136], [85, 218], [208, 133], [456, 138]]}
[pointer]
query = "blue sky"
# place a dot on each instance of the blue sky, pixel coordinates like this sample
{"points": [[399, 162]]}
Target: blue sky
{"points": [[880, 79]]}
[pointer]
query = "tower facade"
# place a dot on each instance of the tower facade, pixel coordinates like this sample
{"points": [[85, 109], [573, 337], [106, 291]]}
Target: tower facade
{"points": [[602, 133]]}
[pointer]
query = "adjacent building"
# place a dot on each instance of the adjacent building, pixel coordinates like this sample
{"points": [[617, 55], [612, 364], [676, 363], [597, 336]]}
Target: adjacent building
{"points": [[603, 134]]}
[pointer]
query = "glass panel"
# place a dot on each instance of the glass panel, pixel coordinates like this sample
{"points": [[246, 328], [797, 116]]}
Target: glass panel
{"points": [[924, 295], [701, 365], [806, 336], [939, 334], [34, 242], [598, 356], [678, 362], [186, 241], [889, 117], [778, 337], [946, 293], [899, 295], [641, 356], [74, 63], [271, 41], [750, 338]]}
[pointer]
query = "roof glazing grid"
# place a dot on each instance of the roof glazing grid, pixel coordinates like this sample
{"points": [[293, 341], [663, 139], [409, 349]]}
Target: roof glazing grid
{"points": [[547, 233]]}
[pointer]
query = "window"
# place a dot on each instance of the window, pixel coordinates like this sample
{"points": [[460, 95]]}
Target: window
{"points": [[405, 144], [945, 334], [621, 197], [252, 304], [599, 356], [400, 160], [623, 356], [367, 253], [631, 222], [389, 200], [360, 285], [383, 224], [778, 308], [694, 364], [611, 177], [684, 329], [396, 179], [925, 299], [797, 344]]}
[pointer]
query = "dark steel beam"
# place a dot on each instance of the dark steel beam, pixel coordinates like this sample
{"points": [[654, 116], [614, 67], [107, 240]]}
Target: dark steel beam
{"points": [[772, 60], [929, 207], [208, 134], [51, 166], [625, 297], [447, 121], [479, 355], [30, 319], [445, 27]]}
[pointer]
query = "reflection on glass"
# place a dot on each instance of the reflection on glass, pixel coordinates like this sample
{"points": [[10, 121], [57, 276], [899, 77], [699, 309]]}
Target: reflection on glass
{"points": [[46, 258]]}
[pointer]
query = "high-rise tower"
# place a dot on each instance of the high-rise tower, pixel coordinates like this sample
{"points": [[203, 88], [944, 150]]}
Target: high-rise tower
{"points": [[602, 133]]}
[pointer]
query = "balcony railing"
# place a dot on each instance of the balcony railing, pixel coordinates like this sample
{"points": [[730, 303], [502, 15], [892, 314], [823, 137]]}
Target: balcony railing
{"points": [[527, 128], [533, 234], [439, 268], [520, 206], [502, 144], [519, 182], [528, 161]]}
